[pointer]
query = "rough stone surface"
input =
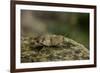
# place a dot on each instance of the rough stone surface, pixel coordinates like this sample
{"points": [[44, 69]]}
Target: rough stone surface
{"points": [[51, 48]]}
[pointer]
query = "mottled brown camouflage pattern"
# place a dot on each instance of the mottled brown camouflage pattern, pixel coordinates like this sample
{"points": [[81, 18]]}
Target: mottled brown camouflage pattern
{"points": [[51, 48]]}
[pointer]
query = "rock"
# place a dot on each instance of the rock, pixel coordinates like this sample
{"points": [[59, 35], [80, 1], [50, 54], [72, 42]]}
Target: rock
{"points": [[51, 48]]}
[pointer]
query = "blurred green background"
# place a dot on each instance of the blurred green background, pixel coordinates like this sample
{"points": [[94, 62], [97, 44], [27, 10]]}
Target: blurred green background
{"points": [[69, 24]]}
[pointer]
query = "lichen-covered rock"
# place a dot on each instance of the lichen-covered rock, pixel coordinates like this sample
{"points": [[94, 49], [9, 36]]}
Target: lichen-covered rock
{"points": [[51, 48]]}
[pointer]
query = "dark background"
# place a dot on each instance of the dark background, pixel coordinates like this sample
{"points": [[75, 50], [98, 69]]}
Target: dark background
{"points": [[69, 24]]}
